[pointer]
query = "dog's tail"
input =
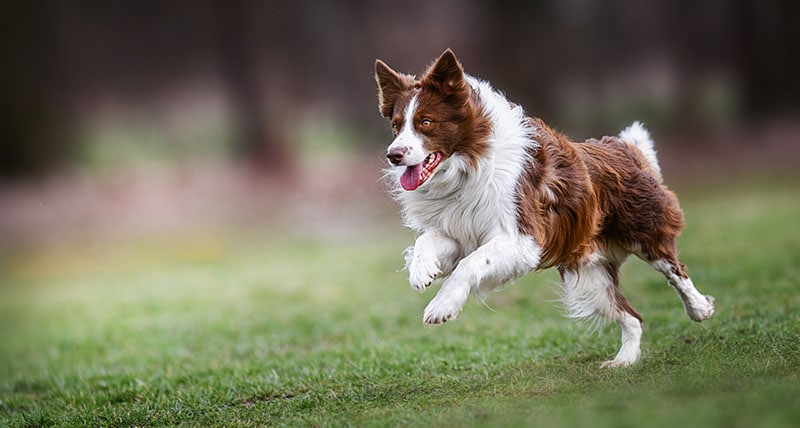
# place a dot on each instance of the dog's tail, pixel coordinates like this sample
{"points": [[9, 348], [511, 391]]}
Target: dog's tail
{"points": [[639, 137]]}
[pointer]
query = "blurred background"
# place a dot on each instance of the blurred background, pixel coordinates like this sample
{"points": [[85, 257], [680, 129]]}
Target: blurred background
{"points": [[147, 118]]}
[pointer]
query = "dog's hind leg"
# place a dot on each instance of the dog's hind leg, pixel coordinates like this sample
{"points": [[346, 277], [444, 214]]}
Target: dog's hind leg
{"points": [[698, 307], [592, 291]]}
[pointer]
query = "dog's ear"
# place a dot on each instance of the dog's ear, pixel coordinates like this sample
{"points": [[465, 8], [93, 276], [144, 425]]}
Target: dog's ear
{"points": [[446, 75], [391, 85]]}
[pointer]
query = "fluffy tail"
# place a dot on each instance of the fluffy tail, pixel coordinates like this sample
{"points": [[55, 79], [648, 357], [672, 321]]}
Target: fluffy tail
{"points": [[639, 137]]}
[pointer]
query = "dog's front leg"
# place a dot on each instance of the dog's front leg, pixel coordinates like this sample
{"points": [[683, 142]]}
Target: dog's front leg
{"points": [[499, 260], [434, 254]]}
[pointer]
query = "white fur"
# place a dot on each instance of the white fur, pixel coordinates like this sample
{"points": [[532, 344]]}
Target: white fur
{"points": [[585, 293], [698, 307], [472, 205], [467, 220], [432, 255], [638, 135], [408, 139], [467, 216], [630, 350], [492, 264], [588, 294]]}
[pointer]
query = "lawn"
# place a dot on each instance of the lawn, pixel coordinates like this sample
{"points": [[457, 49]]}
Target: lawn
{"points": [[225, 329]]}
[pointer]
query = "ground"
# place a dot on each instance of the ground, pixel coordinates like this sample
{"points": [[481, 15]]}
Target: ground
{"points": [[268, 327]]}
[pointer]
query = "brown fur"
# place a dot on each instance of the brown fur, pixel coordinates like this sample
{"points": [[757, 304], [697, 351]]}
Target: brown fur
{"points": [[558, 205], [638, 210], [579, 197], [619, 299], [587, 206], [458, 123], [393, 86]]}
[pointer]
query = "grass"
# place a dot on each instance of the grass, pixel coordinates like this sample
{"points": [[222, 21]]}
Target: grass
{"points": [[221, 330]]}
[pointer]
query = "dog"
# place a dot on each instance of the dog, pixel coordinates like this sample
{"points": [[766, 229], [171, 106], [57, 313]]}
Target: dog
{"points": [[495, 194]]}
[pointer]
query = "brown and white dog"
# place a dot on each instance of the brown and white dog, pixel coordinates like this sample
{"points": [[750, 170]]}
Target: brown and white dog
{"points": [[495, 194]]}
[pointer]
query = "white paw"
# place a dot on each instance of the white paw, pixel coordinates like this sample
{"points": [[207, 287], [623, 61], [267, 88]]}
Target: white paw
{"points": [[701, 309], [421, 273], [443, 308], [616, 363], [628, 354]]}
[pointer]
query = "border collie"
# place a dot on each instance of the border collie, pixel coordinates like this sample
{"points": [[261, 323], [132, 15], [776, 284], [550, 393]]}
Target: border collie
{"points": [[494, 194]]}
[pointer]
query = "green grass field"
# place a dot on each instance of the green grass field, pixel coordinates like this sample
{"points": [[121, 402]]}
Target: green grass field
{"points": [[222, 330]]}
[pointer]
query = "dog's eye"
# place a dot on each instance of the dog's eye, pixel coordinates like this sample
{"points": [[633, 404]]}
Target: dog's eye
{"points": [[395, 126], [426, 122]]}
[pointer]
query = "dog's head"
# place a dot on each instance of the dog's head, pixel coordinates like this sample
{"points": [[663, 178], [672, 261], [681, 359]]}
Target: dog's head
{"points": [[433, 119]]}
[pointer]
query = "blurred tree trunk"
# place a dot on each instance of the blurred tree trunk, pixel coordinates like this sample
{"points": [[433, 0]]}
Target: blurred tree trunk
{"points": [[523, 30], [769, 40], [258, 141], [34, 131]]}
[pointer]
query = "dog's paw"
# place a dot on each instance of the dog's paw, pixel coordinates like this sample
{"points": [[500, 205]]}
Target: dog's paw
{"points": [[422, 273], [616, 363], [443, 308], [628, 354], [702, 309]]}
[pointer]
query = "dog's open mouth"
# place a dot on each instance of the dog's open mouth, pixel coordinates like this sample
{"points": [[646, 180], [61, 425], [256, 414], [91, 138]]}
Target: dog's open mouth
{"points": [[415, 175]]}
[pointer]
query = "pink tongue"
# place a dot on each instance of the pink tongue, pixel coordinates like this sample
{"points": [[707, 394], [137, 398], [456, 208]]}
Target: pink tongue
{"points": [[410, 178]]}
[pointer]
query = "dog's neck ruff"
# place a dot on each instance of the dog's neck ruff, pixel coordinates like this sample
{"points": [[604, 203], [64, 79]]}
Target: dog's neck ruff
{"points": [[474, 203]]}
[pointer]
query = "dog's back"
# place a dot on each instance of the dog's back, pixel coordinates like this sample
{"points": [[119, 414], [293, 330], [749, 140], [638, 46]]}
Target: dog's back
{"points": [[495, 195]]}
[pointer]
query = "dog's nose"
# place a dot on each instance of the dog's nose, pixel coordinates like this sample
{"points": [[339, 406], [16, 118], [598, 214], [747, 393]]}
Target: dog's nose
{"points": [[396, 155]]}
